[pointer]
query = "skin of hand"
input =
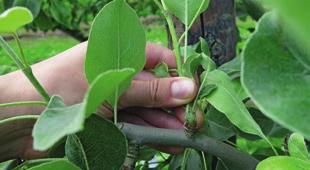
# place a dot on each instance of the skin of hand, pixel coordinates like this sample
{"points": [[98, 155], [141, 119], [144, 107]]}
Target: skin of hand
{"points": [[64, 75]]}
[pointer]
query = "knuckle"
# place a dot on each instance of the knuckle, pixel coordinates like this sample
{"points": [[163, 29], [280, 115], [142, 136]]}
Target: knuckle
{"points": [[154, 87]]}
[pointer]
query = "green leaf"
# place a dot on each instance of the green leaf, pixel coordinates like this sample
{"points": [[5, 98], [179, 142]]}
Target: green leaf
{"points": [[59, 164], [193, 162], [207, 63], [264, 153], [101, 145], [117, 40], [33, 5], [269, 127], [295, 20], [274, 79], [189, 68], [283, 163], [44, 22], [14, 18], [61, 12], [232, 68], [57, 121], [104, 86], [35, 162], [219, 127], [221, 165], [206, 90], [146, 153], [161, 70], [297, 147], [8, 165], [204, 47], [239, 89], [225, 99], [186, 10]]}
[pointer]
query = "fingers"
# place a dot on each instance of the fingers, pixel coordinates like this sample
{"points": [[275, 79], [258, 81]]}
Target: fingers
{"points": [[135, 119], [165, 92], [157, 118], [156, 54], [145, 75]]}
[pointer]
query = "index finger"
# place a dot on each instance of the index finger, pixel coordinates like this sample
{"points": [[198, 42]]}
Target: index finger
{"points": [[156, 54]]}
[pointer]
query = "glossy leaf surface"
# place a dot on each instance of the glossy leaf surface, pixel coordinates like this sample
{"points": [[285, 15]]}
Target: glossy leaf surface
{"points": [[186, 10], [117, 40], [279, 85], [283, 163], [14, 18]]}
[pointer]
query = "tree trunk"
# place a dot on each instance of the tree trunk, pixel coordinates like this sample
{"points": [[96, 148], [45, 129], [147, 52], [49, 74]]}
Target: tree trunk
{"points": [[217, 25]]}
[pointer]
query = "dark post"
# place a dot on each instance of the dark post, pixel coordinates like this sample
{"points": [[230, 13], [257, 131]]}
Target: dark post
{"points": [[219, 29]]}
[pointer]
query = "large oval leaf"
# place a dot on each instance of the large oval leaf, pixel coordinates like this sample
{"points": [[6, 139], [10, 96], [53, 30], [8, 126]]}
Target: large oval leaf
{"points": [[283, 163], [186, 10], [100, 146], [14, 18], [117, 40], [295, 16], [275, 80]]}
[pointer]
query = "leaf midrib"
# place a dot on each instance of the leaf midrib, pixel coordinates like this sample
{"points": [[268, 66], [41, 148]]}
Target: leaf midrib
{"points": [[236, 102], [82, 150]]}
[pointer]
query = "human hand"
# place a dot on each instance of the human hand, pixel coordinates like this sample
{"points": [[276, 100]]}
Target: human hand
{"points": [[144, 101], [64, 75]]}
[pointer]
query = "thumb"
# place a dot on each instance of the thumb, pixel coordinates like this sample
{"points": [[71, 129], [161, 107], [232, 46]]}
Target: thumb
{"points": [[164, 92]]}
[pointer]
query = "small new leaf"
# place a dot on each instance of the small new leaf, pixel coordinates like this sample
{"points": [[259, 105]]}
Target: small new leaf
{"points": [[191, 65], [297, 147], [14, 18], [161, 70]]}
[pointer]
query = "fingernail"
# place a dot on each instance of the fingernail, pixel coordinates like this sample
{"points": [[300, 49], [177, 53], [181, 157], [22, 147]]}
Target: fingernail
{"points": [[182, 89]]}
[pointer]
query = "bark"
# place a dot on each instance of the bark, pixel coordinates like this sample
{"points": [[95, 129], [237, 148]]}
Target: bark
{"points": [[142, 135], [217, 25]]}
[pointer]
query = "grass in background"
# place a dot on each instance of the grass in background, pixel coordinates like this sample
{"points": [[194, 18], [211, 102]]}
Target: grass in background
{"points": [[38, 49], [157, 34]]}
